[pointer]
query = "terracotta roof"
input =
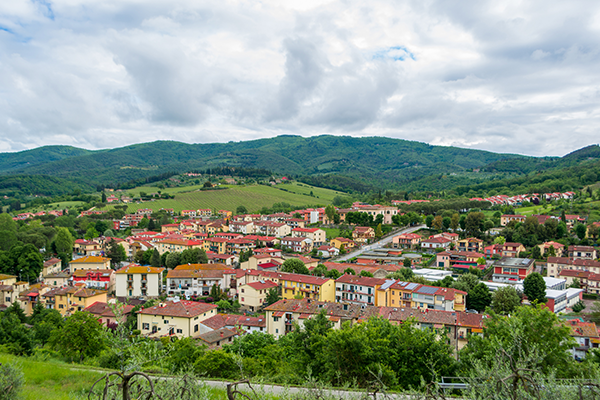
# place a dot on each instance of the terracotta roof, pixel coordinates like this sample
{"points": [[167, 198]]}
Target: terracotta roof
{"points": [[102, 309], [360, 280], [582, 329], [90, 259], [261, 285], [51, 262], [138, 269], [5, 276], [215, 336], [183, 309]]}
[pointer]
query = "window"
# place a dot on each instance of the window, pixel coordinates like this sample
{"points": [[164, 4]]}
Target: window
{"points": [[146, 326], [61, 306], [196, 328], [179, 331], [275, 319], [242, 290], [165, 321], [276, 330], [242, 299]]}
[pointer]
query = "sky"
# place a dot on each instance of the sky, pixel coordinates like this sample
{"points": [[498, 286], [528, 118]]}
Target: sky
{"points": [[505, 76]]}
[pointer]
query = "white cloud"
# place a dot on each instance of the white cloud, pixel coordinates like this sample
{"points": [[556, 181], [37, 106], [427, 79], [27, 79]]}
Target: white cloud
{"points": [[510, 76]]}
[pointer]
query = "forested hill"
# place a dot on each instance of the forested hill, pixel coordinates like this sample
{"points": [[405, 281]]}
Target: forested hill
{"points": [[341, 162]]}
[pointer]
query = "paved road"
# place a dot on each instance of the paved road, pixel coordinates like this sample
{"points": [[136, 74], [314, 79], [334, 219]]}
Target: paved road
{"points": [[379, 244]]}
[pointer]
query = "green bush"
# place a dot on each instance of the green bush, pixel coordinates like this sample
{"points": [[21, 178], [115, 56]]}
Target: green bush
{"points": [[11, 381]]}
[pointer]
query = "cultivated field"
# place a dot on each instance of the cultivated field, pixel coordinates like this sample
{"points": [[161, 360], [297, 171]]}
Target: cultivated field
{"points": [[253, 197]]}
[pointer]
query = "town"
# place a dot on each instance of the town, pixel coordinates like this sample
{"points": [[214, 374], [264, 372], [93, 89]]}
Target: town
{"points": [[215, 277]]}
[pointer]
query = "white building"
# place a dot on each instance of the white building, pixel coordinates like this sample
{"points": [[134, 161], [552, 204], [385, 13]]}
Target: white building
{"points": [[137, 280]]}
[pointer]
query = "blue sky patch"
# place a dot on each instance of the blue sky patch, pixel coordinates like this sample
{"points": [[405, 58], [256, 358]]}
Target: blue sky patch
{"points": [[396, 53], [45, 7]]}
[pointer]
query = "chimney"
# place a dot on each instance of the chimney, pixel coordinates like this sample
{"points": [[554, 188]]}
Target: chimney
{"points": [[221, 334]]}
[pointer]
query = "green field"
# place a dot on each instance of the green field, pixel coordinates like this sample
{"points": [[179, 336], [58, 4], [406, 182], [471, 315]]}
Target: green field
{"points": [[55, 206], [253, 197]]}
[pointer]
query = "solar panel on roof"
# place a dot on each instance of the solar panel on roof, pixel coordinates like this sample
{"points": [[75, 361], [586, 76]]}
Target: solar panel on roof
{"points": [[427, 290], [411, 286]]}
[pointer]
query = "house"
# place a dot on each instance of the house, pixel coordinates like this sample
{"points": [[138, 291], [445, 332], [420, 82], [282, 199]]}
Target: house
{"points": [[252, 295], [262, 261], [105, 314], [51, 266], [86, 247], [386, 211], [357, 289], [506, 219], [316, 235], [103, 279], [241, 324], [363, 234], [327, 251], [310, 287], [216, 245], [471, 244], [406, 241], [512, 270], [415, 295], [67, 300], [137, 280], [244, 227], [168, 228], [177, 245], [558, 248], [435, 243], [493, 250], [198, 279], [582, 252], [30, 297], [9, 292], [586, 336], [340, 241], [217, 338], [297, 244], [510, 249], [557, 264], [175, 318], [89, 262], [450, 258]]}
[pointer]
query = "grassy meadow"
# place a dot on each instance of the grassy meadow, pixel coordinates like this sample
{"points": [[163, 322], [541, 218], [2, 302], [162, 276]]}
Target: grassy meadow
{"points": [[253, 197]]}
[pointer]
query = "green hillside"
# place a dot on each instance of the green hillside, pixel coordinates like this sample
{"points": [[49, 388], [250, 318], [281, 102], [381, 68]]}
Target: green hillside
{"points": [[253, 197]]}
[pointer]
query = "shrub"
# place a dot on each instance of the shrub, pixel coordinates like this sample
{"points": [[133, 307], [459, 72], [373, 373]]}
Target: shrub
{"points": [[11, 381]]}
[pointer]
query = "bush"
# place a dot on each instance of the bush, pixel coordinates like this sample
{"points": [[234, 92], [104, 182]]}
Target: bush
{"points": [[11, 381]]}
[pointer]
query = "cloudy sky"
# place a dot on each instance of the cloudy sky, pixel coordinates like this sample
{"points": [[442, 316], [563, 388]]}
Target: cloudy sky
{"points": [[506, 76]]}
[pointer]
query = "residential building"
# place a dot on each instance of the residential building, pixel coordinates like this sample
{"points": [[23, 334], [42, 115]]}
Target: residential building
{"points": [[435, 243], [216, 339], [363, 234], [582, 252], [340, 241], [316, 235], [558, 248], [406, 241], [242, 324], [198, 279], [506, 219], [67, 300], [415, 295], [510, 249], [136, 280], [470, 244], [252, 295], [105, 313], [357, 289], [89, 262], [556, 264], [244, 227], [512, 270], [86, 247], [103, 279], [175, 318], [586, 336], [51, 266], [311, 287], [177, 245], [297, 244], [450, 258]]}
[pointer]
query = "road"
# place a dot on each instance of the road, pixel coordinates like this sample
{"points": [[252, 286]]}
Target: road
{"points": [[379, 244]]}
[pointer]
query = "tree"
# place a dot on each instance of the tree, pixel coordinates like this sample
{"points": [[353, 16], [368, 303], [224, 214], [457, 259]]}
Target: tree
{"points": [[505, 300], [479, 297], [202, 258], [473, 223], [454, 222], [438, 223], [333, 274], [378, 231], [407, 262], [330, 212], [294, 265], [91, 233], [349, 271], [533, 336], [173, 260], [155, 259], [579, 306], [241, 210], [575, 284], [366, 273], [272, 296], [116, 253], [63, 241], [466, 282], [534, 288], [551, 252], [580, 231], [499, 240], [429, 221], [81, 336], [319, 270], [103, 197], [536, 253]]}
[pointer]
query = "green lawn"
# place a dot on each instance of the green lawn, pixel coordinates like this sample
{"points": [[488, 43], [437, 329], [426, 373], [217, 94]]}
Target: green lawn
{"points": [[55, 206], [253, 197], [332, 233]]}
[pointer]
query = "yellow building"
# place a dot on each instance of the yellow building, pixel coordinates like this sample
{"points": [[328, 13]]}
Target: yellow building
{"points": [[415, 295], [309, 287], [179, 318], [252, 295], [338, 242], [89, 262], [7, 279], [67, 300]]}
